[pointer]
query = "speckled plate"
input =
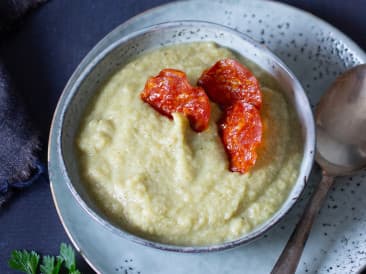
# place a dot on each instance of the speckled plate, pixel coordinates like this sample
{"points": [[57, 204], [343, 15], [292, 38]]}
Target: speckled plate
{"points": [[316, 52]]}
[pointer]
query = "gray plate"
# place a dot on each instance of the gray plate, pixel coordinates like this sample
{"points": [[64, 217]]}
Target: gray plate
{"points": [[317, 53]]}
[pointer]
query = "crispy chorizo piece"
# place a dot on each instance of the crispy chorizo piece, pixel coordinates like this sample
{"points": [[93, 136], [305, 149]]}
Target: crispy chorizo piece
{"points": [[228, 81], [241, 133], [170, 92]]}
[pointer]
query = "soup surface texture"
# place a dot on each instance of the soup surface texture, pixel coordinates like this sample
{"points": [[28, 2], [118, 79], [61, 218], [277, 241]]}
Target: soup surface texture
{"points": [[159, 179]]}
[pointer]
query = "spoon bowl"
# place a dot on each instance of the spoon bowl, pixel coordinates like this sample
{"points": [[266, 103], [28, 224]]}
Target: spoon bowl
{"points": [[341, 124]]}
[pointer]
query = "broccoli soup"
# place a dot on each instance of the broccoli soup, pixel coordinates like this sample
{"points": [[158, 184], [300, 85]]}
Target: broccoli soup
{"points": [[158, 178]]}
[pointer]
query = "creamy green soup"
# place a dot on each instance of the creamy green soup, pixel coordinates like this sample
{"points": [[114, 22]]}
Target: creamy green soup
{"points": [[158, 178]]}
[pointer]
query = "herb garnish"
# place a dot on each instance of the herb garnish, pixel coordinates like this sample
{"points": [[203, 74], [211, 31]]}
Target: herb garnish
{"points": [[27, 262]]}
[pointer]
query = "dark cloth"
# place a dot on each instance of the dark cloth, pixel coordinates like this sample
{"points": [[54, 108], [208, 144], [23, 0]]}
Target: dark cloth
{"points": [[11, 10], [19, 140]]}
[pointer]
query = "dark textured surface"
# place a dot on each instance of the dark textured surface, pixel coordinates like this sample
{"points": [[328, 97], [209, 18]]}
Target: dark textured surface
{"points": [[12, 10], [42, 56], [19, 140]]}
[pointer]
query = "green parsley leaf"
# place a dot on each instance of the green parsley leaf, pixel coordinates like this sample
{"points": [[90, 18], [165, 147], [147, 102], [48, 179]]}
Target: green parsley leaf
{"points": [[68, 254], [27, 262], [48, 265], [24, 261], [59, 262]]}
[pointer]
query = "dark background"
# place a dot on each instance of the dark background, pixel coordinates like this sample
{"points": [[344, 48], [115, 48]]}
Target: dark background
{"points": [[42, 54]]}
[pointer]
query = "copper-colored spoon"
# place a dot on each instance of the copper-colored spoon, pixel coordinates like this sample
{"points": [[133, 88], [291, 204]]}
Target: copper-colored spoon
{"points": [[341, 150]]}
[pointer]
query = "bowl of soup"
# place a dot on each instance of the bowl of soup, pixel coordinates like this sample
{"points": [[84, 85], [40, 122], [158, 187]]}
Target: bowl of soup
{"points": [[155, 178]]}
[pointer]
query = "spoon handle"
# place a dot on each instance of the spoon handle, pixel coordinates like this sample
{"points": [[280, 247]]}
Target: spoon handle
{"points": [[289, 259]]}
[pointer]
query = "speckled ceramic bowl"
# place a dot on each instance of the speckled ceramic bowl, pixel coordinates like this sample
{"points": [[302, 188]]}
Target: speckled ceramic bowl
{"points": [[108, 56]]}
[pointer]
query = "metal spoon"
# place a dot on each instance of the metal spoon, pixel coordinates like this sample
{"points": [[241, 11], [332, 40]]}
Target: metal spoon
{"points": [[341, 150]]}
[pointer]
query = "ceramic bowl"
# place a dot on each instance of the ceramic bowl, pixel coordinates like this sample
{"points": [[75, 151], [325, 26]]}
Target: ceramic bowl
{"points": [[107, 57]]}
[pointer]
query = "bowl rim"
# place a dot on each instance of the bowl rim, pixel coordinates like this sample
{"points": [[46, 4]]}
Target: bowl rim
{"points": [[84, 68]]}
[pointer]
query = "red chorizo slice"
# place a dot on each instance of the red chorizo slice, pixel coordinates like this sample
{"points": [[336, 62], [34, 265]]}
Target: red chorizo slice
{"points": [[170, 92], [228, 81], [241, 134]]}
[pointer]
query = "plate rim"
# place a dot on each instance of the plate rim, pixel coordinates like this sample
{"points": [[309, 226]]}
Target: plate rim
{"points": [[353, 44]]}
